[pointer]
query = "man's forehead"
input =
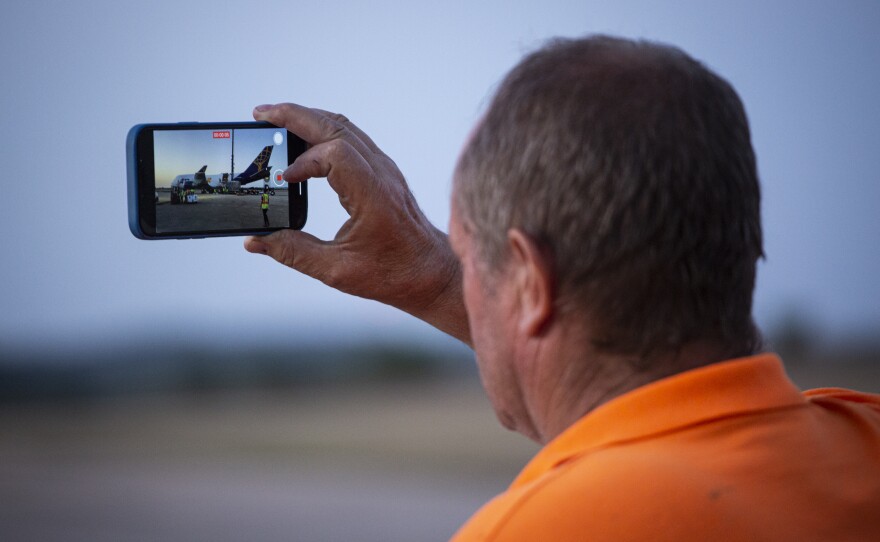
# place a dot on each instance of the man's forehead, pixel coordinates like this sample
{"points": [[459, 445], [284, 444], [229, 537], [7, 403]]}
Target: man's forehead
{"points": [[454, 218], [455, 195], [459, 227]]}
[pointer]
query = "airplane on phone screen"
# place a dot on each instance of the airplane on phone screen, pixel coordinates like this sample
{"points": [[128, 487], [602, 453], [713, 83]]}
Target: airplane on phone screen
{"points": [[258, 170]]}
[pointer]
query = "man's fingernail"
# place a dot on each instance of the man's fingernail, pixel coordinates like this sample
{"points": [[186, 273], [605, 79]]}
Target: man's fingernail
{"points": [[264, 107]]}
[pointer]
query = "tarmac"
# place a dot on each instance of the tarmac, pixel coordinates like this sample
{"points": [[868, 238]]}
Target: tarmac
{"points": [[220, 212]]}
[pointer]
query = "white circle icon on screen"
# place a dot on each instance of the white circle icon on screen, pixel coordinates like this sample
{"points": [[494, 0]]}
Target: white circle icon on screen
{"points": [[278, 178], [278, 138]]}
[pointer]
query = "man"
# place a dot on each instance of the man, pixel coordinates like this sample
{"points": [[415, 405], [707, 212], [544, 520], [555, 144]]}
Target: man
{"points": [[604, 233], [264, 205]]}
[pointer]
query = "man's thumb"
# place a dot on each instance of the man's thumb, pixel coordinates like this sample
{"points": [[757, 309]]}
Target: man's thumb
{"points": [[295, 249]]}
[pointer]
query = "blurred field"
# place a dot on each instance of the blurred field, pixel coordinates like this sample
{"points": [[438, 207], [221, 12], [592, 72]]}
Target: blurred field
{"points": [[381, 462], [409, 459]]}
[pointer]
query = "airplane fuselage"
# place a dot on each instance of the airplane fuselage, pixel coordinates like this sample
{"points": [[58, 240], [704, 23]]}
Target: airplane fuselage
{"points": [[256, 171], [184, 181]]}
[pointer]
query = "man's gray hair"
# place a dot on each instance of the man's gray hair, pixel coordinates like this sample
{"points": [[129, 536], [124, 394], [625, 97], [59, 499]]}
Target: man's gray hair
{"points": [[632, 165]]}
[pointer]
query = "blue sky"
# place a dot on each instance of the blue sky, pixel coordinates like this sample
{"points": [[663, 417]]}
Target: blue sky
{"points": [[415, 76]]}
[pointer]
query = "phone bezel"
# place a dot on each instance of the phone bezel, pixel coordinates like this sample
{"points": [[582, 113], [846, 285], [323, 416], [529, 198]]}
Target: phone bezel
{"points": [[142, 182]]}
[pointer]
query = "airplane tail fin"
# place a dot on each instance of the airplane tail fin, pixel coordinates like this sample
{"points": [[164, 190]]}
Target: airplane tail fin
{"points": [[258, 169], [199, 176]]}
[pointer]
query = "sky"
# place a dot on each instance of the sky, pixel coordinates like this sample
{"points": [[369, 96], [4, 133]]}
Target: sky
{"points": [[415, 76]]}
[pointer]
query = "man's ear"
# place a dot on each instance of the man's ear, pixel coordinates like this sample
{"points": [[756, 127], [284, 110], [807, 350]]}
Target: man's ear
{"points": [[534, 282]]}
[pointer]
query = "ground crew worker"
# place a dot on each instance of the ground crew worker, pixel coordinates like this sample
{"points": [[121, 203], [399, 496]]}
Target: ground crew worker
{"points": [[264, 205]]}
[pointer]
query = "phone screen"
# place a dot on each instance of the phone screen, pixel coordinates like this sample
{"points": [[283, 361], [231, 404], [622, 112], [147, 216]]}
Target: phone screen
{"points": [[214, 179]]}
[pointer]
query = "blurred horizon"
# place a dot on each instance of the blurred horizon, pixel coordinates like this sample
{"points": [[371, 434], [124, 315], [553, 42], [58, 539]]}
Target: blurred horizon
{"points": [[116, 370]]}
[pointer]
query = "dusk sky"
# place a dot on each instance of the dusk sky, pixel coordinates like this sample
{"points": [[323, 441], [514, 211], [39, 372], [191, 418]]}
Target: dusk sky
{"points": [[415, 76]]}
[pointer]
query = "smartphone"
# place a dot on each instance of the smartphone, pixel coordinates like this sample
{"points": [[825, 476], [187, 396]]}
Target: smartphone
{"points": [[192, 180]]}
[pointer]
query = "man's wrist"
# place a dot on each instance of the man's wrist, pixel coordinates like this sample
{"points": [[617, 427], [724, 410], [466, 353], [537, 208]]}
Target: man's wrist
{"points": [[442, 303]]}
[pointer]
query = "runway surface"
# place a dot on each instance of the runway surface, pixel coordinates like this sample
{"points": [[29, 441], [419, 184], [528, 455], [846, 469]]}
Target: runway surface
{"points": [[220, 212]]}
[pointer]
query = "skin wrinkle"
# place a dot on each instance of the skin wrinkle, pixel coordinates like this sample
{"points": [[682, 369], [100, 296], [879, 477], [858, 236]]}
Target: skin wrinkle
{"points": [[584, 384], [453, 278], [532, 371], [624, 382]]}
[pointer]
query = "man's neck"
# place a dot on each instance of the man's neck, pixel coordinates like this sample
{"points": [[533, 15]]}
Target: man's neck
{"points": [[569, 383]]}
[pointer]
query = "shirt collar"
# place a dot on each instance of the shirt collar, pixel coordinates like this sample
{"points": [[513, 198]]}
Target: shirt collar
{"points": [[714, 391]]}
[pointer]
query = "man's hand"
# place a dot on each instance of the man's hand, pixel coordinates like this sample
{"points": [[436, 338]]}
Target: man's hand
{"points": [[387, 250]]}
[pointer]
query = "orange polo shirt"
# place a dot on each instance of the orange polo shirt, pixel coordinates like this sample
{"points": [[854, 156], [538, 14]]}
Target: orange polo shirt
{"points": [[730, 451]]}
